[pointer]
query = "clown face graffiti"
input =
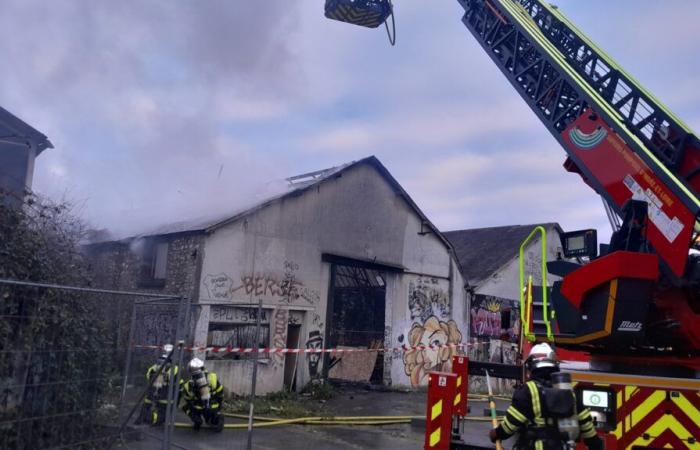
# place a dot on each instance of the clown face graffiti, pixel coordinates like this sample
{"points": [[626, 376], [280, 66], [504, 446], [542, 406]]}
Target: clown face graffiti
{"points": [[432, 333]]}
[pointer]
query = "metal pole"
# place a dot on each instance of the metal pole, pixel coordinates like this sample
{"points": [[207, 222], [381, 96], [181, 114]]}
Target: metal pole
{"points": [[125, 422], [255, 375], [178, 376], [128, 357], [173, 384]]}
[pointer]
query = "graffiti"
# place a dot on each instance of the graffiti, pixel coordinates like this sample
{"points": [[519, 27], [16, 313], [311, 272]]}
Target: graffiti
{"points": [[427, 298], [316, 322], [287, 289], [495, 351], [266, 285], [156, 328], [315, 341], [218, 286], [387, 356], [295, 317], [486, 318], [279, 333], [486, 323], [227, 314], [433, 331]]}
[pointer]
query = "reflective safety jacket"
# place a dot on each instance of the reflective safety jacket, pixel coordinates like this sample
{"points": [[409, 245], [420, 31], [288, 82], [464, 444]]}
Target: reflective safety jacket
{"points": [[528, 418], [193, 403], [157, 394]]}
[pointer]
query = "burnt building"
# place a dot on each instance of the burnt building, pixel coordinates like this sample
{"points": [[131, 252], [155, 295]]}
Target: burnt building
{"points": [[341, 258]]}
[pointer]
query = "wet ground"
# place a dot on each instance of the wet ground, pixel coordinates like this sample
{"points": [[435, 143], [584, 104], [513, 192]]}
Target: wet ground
{"points": [[345, 402]]}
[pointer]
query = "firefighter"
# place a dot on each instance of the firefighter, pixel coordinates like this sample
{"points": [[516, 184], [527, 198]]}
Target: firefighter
{"points": [[530, 414], [203, 396], [156, 401]]}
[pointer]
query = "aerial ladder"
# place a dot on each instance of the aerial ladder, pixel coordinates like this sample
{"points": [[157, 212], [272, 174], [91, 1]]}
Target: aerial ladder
{"points": [[642, 293], [632, 307]]}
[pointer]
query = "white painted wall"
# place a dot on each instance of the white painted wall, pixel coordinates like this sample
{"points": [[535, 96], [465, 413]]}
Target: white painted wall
{"points": [[356, 215], [504, 283]]}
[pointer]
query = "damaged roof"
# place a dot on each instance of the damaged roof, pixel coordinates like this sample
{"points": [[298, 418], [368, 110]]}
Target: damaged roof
{"points": [[483, 251], [294, 186]]}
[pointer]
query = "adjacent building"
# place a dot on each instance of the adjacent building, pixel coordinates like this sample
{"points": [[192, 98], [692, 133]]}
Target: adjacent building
{"points": [[489, 258], [20, 144], [342, 258]]}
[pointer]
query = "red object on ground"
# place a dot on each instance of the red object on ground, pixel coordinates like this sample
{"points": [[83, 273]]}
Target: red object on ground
{"points": [[460, 367], [438, 424]]}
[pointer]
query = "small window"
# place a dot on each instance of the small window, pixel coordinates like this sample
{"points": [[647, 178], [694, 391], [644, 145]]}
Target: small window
{"points": [[235, 327], [154, 263]]}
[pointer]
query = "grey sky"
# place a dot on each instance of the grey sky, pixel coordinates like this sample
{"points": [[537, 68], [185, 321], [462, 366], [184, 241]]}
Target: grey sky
{"points": [[161, 110]]}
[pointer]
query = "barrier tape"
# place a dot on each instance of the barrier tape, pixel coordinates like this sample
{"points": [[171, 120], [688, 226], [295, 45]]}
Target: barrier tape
{"points": [[230, 349]]}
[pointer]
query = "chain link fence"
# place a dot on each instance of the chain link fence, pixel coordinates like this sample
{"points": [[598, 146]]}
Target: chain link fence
{"points": [[70, 374]]}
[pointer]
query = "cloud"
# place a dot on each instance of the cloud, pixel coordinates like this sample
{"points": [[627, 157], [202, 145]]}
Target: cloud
{"points": [[134, 96], [430, 127], [161, 108]]}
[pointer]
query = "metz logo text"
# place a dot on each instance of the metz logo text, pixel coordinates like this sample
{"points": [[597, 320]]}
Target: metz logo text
{"points": [[626, 325]]}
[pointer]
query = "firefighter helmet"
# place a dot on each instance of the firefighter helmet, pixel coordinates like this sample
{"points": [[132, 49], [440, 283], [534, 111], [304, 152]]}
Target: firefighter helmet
{"points": [[195, 365], [542, 356], [167, 350]]}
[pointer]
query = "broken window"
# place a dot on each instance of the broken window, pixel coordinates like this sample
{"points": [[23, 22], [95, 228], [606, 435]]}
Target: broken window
{"points": [[154, 262], [235, 327], [357, 320]]}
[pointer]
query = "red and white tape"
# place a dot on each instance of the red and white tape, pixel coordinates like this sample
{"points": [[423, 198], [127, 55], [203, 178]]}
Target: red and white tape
{"points": [[229, 349]]}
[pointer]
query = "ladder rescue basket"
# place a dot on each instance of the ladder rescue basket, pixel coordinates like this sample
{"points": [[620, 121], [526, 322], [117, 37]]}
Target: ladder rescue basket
{"points": [[366, 13]]}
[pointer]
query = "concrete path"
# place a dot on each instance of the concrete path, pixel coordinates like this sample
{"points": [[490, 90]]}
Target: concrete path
{"points": [[346, 402]]}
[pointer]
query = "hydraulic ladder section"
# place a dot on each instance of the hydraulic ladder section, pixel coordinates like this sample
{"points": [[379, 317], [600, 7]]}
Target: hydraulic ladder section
{"points": [[622, 142], [664, 134]]}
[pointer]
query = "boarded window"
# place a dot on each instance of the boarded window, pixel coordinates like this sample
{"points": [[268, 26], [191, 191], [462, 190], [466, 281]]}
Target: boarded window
{"points": [[235, 327]]}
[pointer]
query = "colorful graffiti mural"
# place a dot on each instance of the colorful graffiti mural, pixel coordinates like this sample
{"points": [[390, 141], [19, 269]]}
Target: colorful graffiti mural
{"points": [[433, 331], [486, 313]]}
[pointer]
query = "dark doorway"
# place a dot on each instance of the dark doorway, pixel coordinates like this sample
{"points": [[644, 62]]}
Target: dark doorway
{"points": [[290, 359], [357, 302]]}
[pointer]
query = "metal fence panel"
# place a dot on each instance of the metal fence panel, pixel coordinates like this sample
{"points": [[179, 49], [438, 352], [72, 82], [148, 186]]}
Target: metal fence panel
{"points": [[69, 374]]}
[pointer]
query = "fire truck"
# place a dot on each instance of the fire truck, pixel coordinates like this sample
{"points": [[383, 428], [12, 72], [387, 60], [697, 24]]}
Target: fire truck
{"points": [[628, 311]]}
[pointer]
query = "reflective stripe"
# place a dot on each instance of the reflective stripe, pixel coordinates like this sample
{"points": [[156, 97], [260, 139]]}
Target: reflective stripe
{"points": [[516, 414], [434, 437], [588, 433], [536, 407], [436, 410], [508, 427], [539, 445]]}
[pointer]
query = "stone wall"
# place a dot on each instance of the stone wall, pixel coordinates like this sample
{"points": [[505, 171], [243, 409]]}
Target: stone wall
{"points": [[116, 265]]}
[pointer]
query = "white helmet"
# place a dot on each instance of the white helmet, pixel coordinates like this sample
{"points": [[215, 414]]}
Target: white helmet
{"points": [[195, 365], [167, 348], [542, 356]]}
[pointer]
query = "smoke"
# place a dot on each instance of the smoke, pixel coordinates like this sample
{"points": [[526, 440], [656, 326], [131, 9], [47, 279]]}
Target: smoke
{"points": [[145, 101]]}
